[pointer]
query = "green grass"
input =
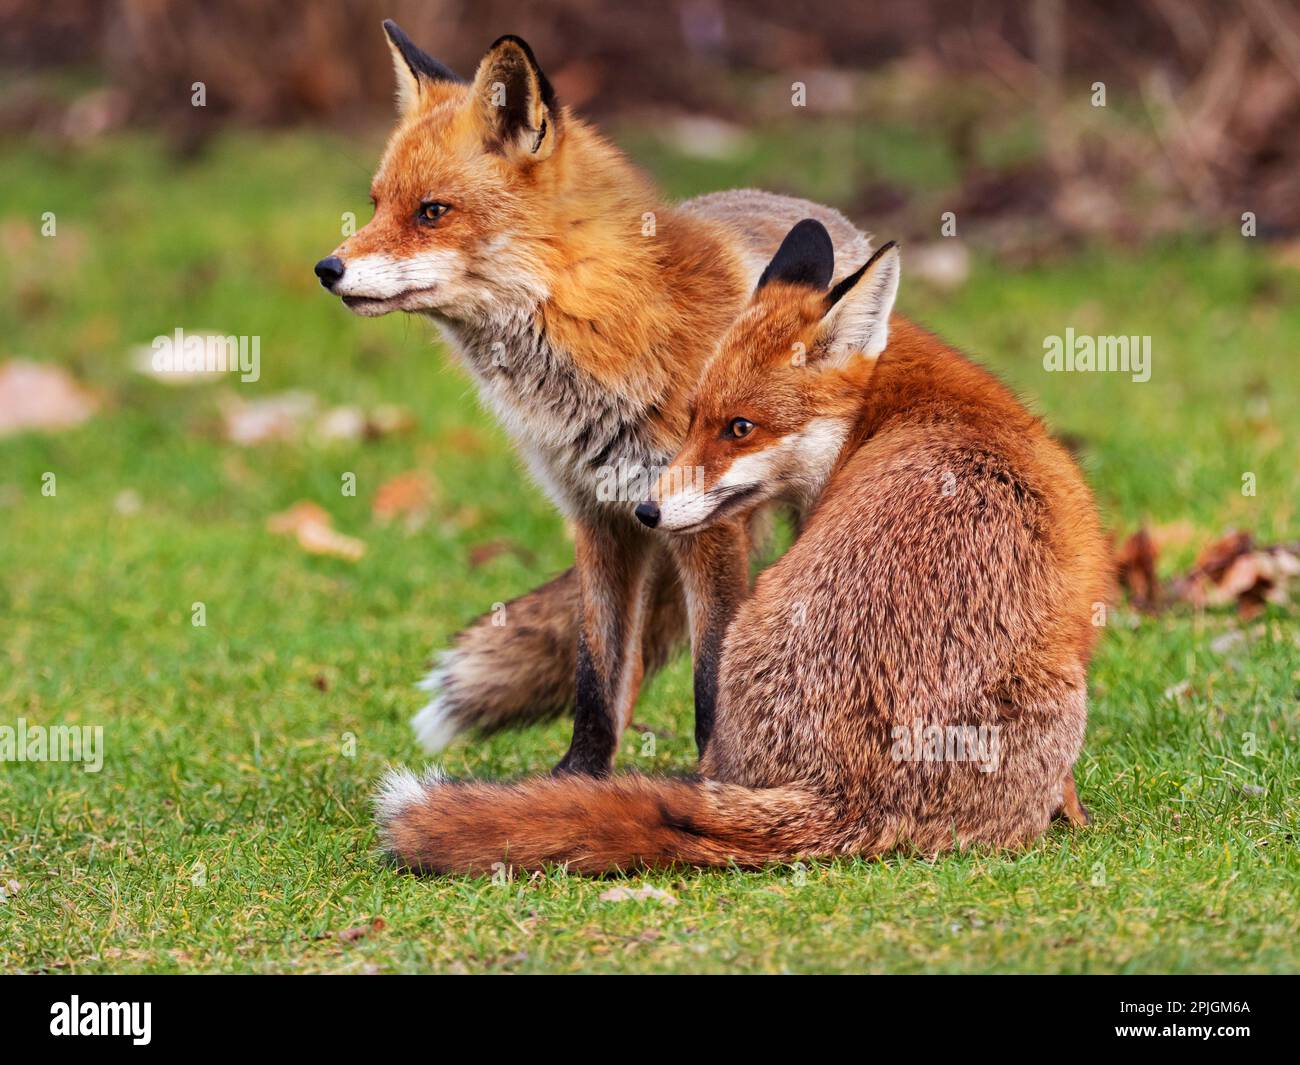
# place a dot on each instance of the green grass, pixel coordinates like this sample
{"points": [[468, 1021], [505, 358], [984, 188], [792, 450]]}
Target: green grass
{"points": [[229, 830]]}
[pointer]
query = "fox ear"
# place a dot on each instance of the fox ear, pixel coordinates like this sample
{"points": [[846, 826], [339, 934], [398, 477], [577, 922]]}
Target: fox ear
{"points": [[856, 321], [515, 102], [805, 257], [414, 68]]}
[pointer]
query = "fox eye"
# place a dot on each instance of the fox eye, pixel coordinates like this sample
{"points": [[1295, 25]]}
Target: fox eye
{"points": [[430, 211], [739, 428]]}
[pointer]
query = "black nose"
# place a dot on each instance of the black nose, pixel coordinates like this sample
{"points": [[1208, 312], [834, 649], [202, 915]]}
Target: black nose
{"points": [[648, 513], [329, 271]]}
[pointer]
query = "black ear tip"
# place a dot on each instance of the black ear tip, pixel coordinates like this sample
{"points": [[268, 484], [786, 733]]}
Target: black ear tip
{"points": [[805, 257], [837, 293], [512, 38], [810, 229], [419, 62], [877, 255], [521, 44], [548, 93]]}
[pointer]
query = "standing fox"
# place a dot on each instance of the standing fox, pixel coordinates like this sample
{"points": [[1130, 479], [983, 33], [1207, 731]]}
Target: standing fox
{"points": [[585, 308], [912, 672]]}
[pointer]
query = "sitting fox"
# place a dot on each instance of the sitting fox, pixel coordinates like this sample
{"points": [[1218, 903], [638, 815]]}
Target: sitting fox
{"points": [[584, 306], [942, 586]]}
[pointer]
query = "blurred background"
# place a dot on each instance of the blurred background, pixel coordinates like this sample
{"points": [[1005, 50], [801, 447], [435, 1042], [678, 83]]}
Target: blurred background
{"points": [[1203, 96]]}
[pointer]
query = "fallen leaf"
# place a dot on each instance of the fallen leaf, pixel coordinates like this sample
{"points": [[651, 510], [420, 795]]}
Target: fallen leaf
{"points": [[292, 415], [312, 526], [482, 554], [298, 515], [323, 540], [37, 395], [349, 935], [408, 495], [259, 421], [1215, 559], [343, 424], [340, 424], [388, 418], [1135, 565], [1233, 570], [1241, 576], [625, 894]]}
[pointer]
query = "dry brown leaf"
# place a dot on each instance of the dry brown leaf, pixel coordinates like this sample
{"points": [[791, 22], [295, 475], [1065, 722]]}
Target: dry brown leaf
{"points": [[482, 554], [37, 395], [1241, 577], [1135, 565], [408, 495], [349, 935], [1215, 558], [301, 513], [323, 540], [1233, 570], [388, 418], [312, 526]]}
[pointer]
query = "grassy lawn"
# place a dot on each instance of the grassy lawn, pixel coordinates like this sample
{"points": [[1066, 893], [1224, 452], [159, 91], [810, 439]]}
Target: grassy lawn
{"points": [[229, 827]]}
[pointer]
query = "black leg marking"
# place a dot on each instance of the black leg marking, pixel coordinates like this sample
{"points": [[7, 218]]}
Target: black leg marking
{"points": [[594, 740], [706, 684]]}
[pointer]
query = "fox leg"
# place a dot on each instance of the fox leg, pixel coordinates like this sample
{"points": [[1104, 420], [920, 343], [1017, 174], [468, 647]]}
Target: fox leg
{"points": [[516, 665], [614, 570], [1071, 808], [714, 568]]}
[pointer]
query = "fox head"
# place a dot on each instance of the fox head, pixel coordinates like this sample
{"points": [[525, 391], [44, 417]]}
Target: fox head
{"points": [[459, 189], [777, 400]]}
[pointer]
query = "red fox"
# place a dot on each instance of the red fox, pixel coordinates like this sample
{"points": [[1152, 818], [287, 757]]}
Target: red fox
{"points": [[911, 673], [584, 306]]}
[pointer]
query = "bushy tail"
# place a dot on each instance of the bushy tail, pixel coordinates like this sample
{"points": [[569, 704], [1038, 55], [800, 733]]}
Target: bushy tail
{"points": [[505, 676], [593, 826]]}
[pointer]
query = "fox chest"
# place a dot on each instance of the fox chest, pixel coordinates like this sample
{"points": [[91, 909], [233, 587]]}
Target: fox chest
{"points": [[590, 448]]}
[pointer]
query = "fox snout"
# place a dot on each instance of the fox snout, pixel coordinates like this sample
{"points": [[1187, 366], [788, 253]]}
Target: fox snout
{"points": [[647, 513], [330, 271], [681, 502]]}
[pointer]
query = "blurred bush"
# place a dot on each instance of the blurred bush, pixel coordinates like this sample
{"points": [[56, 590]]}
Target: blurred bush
{"points": [[1202, 116]]}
